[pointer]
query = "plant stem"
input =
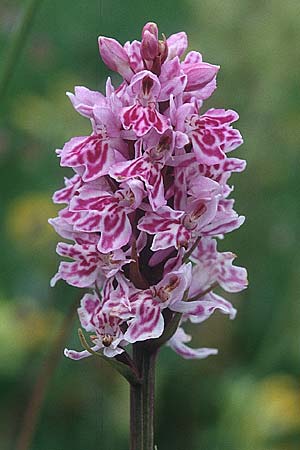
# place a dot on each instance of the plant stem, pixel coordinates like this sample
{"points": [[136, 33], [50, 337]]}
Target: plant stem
{"points": [[136, 403], [142, 400], [16, 44], [148, 399], [39, 390]]}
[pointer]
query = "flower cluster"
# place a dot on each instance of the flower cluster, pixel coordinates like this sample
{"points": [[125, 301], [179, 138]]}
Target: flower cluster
{"points": [[149, 197]]}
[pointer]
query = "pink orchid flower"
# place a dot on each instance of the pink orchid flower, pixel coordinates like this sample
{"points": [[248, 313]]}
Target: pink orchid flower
{"points": [[149, 198]]}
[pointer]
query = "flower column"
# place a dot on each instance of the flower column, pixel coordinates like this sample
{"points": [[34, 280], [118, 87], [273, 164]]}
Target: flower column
{"points": [[144, 209]]}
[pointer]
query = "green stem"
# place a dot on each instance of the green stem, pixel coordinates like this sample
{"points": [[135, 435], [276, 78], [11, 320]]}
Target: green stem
{"points": [[201, 294], [148, 399], [142, 400], [136, 403], [190, 251], [16, 44], [39, 390]]}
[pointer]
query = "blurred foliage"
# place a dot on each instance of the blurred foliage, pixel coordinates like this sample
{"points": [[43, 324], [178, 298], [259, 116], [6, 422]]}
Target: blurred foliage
{"points": [[247, 398]]}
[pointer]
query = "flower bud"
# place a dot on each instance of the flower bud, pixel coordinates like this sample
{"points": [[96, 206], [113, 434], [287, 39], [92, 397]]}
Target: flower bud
{"points": [[150, 27], [161, 57], [163, 50], [199, 75], [149, 46], [115, 57]]}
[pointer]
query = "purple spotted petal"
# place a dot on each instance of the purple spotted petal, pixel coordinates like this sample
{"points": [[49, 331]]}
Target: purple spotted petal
{"points": [[65, 194], [148, 322], [90, 304], [212, 266], [94, 153], [212, 136], [116, 232], [146, 170], [89, 265], [141, 119], [166, 225]]}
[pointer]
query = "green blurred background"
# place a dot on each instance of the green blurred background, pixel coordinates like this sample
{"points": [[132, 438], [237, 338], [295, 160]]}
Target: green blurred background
{"points": [[247, 398]]}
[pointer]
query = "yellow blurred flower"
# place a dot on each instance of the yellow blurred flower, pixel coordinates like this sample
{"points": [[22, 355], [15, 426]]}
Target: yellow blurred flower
{"points": [[278, 403], [258, 413], [27, 221], [23, 329]]}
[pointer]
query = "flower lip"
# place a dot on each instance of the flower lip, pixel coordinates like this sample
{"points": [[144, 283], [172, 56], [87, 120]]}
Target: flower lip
{"points": [[147, 85], [107, 340]]}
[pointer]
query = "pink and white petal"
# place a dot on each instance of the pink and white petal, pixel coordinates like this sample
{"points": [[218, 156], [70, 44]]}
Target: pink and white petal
{"points": [[192, 57], [174, 263], [115, 57], [199, 75], [76, 356], [78, 273], [156, 191], [115, 299], [200, 310], [204, 211], [70, 250], [223, 224], [204, 275], [206, 149], [90, 222], [134, 52], [65, 194], [66, 230], [172, 79], [172, 287], [84, 100], [93, 153], [88, 308], [111, 352], [133, 187], [55, 278], [142, 119], [201, 94], [165, 239], [177, 44], [178, 341], [105, 116], [234, 165], [204, 188], [141, 241], [148, 322], [231, 278], [159, 256], [92, 200], [129, 169], [144, 84], [62, 227], [222, 116], [115, 232], [181, 139], [161, 220]]}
